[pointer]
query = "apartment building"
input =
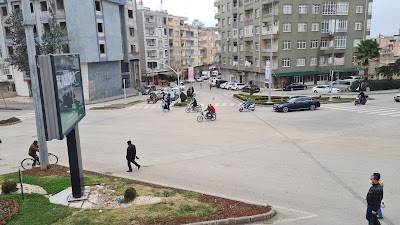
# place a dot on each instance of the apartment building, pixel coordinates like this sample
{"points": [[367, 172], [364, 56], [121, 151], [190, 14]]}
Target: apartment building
{"points": [[307, 38], [208, 48], [389, 53], [154, 45], [184, 45], [95, 30], [134, 75]]}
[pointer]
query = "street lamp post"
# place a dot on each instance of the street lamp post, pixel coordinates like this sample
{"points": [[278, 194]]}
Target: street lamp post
{"points": [[176, 72]]}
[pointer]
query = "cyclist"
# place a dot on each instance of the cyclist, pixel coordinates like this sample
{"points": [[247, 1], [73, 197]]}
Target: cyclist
{"points": [[32, 152]]}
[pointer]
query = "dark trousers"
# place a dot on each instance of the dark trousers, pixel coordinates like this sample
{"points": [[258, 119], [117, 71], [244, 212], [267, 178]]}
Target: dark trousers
{"points": [[369, 216], [132, 161], [36, 159]]}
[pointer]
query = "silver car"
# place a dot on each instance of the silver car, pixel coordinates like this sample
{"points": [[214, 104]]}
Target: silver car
{"points": [[397, 97], [342, 85]]}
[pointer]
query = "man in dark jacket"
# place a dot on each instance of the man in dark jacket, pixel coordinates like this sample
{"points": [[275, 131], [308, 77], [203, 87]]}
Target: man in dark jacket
{"points": [[374, 197], [131, 156]]}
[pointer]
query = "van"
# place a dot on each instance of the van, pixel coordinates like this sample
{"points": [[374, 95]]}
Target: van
{"points": [[343, 85], [214, 73]]}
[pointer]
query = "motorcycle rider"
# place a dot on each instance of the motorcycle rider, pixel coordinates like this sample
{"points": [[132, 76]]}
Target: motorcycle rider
{"points": [[194, 104], [361, 97], [211, 110], [247, 103]]}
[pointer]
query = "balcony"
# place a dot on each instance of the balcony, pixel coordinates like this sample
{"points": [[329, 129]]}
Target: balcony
{"points": [[6, 78], [266, 31]]}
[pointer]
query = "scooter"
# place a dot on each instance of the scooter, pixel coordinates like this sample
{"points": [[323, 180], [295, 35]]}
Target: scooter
{"points": [[361, 101], [251, 107], [212, 116]]}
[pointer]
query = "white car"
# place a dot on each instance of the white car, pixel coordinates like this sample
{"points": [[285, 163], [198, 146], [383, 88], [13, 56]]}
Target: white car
{"points": [[229, 86], [225, 85], [325, 89], [199, 79], [397, 97], [237, 86]]}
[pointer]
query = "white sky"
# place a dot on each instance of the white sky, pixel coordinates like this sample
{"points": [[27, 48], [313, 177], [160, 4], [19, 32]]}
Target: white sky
{"points": [[385, 15]]}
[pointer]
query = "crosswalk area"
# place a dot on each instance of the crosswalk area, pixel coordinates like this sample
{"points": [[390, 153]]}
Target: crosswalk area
{"points": [[158, 106], [364, 109], [26, 116]]}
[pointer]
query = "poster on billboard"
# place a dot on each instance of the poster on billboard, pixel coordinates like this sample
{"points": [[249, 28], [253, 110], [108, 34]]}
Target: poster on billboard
{"points": [[68, 91], [191, 74], [267, 72]]}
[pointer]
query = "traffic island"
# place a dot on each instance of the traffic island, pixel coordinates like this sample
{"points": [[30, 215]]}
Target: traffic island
{"points": [[263, 100], [115, 106], [10, 121], [150, 203]]}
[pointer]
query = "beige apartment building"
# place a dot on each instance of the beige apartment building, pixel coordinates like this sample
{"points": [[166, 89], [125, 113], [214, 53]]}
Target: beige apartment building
{"points": [[389, 53], [184, 45], [310, 38], [208, 48]]}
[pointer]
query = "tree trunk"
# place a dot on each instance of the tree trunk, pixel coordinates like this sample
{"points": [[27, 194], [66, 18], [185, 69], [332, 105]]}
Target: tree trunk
{"points": [[366, 76]]}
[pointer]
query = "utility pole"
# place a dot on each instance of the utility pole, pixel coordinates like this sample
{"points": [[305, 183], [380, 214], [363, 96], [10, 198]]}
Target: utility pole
{"points": [[270, 54], [30, 42]]}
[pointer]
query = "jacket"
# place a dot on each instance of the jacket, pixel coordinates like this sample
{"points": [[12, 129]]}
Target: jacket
{"points": [[33, 149], [131, 152], [374, 196]]}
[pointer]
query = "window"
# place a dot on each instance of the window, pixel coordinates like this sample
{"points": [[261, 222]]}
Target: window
{"points": [[60, 4], [329, 8], [223, 22], [340, 42], [313, 61], [248, 31], [301, 44], [98, 6], [327, 26], [314, 43], [132, 32], [32, 8], [302, 9], [229, 6], [165, 20], [102, 49], [10, 50], [341, 25], [257, 46], [302, 27], [358, 26], [241, 47], [235, 33], [287, 27], [359, 9], [100, 27], [63, 25], [285, 62], [223, 8], [46, 27], [229, 34], [301, 61], [286, 45], [241, 17], [4, 11], [257, 13], [16, 7], [315, 27], [342, 8], [132, 48], [43, 6], [257, 62], [356, 42], [324, 43], [241, 32], [368, 24], [130, 13], [287, 9], [316, 9], [257, 30]]}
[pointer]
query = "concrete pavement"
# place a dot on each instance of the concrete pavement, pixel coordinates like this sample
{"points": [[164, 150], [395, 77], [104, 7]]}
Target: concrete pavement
{"points": [[312, 166]]}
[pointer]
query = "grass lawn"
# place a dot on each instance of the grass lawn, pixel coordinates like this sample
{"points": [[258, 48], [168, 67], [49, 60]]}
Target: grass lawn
{"points": [[36, 209]]}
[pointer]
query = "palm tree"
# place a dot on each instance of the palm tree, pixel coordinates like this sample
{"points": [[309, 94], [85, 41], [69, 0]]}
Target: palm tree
{"points": [[365, 52]]}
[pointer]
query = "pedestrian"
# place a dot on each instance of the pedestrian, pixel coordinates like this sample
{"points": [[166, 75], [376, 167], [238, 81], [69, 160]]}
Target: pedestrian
{"points": [[379, 212], [168, 101], [163, 105], [192, 90], [210, 86], [188, 93], [374, 198], [131, 156]]}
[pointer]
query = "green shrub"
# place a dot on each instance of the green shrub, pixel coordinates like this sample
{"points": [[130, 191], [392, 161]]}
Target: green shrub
{"points": [[377, 85], [181, 104], [183, 97], [130, 194], [9, 121], [8, 186]]}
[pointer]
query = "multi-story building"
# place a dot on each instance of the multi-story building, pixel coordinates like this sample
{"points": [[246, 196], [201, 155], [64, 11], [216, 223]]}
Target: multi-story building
{"points": [[95, 29], [184, 44], [389, 53], [307, 38], [153, 42], [134, 76], [207, 47]]}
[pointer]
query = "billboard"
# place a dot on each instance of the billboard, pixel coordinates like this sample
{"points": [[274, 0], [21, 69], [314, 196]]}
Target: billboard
{"points": [[267, 72], [190, 74], [62, 93]]}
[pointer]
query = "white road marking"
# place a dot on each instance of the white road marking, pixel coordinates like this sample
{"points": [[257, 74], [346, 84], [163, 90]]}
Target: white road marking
{"points": [[223, 104], [232, 104]]}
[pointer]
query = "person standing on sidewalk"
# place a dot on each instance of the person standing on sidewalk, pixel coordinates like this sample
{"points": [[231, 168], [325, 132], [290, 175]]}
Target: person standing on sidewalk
{"points": [[379, 212], [131, 156], [374, 198]]}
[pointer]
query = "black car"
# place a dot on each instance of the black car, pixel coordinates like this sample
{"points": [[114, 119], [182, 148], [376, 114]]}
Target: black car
{"points": [[295, 86], [219, 82], [251, 88], [297, 103]]}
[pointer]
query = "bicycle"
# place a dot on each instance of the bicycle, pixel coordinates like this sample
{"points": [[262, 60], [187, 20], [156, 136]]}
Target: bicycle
{"points": [[28, 162]]}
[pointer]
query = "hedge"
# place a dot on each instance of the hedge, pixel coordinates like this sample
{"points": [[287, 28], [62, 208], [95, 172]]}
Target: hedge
{"points": [[377, 85]]}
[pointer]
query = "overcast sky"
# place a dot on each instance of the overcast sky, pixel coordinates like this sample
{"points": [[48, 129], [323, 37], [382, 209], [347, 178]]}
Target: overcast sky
{"points": [[385, 17]]}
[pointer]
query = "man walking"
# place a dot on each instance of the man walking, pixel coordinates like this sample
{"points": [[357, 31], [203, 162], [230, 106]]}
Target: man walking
{"points": [[131, 156], [374, 198]]}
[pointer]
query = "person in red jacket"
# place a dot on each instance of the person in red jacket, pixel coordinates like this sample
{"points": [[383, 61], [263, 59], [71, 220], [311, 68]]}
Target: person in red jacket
{"points": [[210, 109]]}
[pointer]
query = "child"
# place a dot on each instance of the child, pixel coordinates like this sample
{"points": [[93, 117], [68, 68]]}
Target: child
{"points": [[163, 105]]}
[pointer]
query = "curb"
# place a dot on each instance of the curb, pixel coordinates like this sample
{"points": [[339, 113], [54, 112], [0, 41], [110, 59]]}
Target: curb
{"points": [[239, 220]]}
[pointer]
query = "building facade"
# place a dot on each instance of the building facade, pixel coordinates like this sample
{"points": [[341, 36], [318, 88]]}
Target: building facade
{"points": [[153, 41], [307, 38], [101, 40], [208, 48], [134, 77], [389, 53]]}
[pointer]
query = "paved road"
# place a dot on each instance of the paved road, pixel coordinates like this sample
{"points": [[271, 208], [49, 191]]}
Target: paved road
{"points": [[313, 166]]}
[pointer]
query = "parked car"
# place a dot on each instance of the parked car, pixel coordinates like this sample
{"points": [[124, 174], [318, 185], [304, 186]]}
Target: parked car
{"points": [[147, 89], [253, 88], [226, 85], [325, 89], [219, 82], [354, 78], [343, 85], [237, 86], [295, 86], [214, 73], [198, 79], [297, 103], [214, 81], [397, 97]]}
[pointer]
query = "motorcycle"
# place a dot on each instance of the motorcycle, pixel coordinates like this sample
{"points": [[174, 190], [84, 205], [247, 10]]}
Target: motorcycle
{"points": [[361, 101], [190, 108], [212, 116], [251, 107]]}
